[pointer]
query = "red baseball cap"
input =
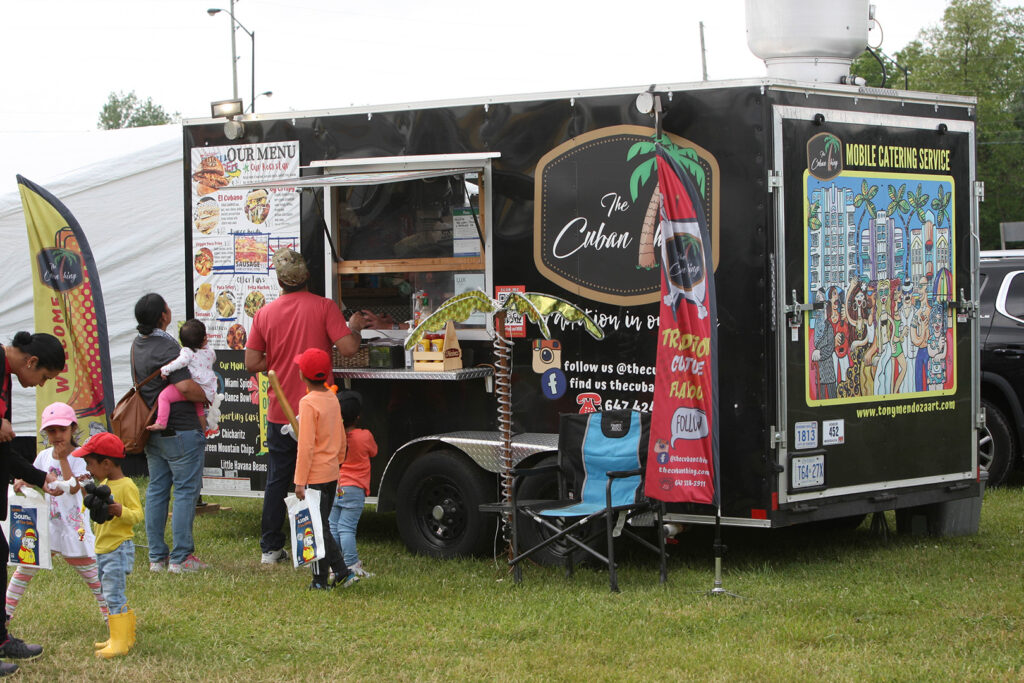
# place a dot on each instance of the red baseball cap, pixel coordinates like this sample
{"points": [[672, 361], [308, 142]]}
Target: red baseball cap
{"points": [[103, 444], [314, 364]]}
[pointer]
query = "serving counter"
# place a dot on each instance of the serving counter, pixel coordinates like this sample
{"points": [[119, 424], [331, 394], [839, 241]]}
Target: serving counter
{"points": [[485, 373]]}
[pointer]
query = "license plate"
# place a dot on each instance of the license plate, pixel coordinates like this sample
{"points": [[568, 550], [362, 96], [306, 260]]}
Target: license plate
{"points": [[805, 435], [808, 471]]}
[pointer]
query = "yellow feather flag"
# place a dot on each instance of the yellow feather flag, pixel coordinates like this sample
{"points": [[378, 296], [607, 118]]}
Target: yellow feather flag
{"points": [[69, 305]]}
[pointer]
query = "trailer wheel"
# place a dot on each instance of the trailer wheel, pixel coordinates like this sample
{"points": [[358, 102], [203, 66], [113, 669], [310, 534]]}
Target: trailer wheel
{"points": [[996, 445], [438, 506]]}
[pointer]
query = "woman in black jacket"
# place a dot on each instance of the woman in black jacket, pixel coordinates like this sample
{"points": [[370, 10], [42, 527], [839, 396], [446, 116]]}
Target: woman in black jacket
{"points": [[33, 359]]}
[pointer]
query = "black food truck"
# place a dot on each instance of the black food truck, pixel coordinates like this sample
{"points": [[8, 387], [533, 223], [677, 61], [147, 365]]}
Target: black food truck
{"points": [[844, 227]]}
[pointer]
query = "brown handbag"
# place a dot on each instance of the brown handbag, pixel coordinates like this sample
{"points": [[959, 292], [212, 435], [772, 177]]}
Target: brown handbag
{"points": [[131, 415]]}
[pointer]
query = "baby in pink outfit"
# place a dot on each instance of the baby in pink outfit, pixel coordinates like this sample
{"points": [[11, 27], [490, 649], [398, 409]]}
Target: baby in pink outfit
{"points": [[199, 358]]}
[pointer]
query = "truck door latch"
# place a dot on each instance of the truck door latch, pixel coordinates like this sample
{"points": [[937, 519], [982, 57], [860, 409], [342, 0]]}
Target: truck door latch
{"points": [[774, 180], [795, 313], [966, 308]]}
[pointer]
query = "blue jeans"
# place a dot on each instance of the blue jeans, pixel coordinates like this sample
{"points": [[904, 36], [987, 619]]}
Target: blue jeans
{"points": [[114, 568], [281, 451], [173, 461], [345, 514]]}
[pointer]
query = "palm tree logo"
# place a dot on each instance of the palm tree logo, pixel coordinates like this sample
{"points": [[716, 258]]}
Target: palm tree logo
{"points": [[824, 156], [59, 269], [644, 152]]}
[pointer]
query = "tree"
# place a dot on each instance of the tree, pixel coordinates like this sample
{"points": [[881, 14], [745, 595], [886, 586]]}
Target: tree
{"points": [[974, 51], [128, 111]]}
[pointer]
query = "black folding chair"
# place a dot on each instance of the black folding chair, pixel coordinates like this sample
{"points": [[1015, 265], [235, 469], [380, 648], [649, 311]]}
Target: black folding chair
{"points": [[601, 459]]}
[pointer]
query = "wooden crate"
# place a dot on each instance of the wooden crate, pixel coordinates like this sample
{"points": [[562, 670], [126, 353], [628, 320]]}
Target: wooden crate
{"points": [[448, 358]]}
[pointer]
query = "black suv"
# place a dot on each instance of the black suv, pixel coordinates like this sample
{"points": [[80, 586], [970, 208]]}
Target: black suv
{"points": [[1002, 362]]}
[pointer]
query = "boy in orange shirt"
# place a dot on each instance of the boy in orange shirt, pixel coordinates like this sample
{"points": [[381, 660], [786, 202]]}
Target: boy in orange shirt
{"points": [[321, 449]]}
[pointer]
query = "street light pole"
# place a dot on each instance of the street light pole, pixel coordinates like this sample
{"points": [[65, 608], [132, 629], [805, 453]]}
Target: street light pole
{"points": [[234, 58]]}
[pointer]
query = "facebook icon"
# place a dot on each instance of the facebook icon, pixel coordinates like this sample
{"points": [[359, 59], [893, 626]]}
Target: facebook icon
{"points": [[553, 383]]}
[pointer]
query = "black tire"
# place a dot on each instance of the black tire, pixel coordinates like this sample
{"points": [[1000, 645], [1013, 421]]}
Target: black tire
{"points": [[997, 448], [438, 506], [530, 533]]}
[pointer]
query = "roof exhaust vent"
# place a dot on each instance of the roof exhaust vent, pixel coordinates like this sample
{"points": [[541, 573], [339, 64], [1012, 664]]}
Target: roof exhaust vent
{"points": [[808, 40]]}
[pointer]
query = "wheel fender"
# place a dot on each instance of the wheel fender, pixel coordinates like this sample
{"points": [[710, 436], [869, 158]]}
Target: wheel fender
{"points": [[481, 448]]}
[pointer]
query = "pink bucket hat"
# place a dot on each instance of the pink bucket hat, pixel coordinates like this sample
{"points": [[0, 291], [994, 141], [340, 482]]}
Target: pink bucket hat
{"points": [[58, 415]]}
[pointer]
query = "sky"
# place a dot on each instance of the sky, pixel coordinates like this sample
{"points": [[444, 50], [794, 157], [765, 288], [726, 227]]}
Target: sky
{"points": [[62, 58]]}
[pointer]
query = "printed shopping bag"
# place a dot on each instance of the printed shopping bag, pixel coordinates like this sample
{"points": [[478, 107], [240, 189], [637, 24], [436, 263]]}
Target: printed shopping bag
{"points": [[307, 528], [27, 528]]}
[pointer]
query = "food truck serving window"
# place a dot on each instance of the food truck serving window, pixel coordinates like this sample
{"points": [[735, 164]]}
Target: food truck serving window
{"points": [[408, 231]]}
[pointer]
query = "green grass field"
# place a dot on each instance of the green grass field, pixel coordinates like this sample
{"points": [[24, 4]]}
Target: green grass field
{"points": [[840, 606]]}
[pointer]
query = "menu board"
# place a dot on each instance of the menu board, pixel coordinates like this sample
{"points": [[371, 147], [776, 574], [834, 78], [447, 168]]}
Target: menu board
{"points": [[237, 227], [239, 219]]}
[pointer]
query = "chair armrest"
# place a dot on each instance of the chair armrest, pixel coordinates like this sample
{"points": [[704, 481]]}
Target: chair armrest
{"points": [[617, 474]]}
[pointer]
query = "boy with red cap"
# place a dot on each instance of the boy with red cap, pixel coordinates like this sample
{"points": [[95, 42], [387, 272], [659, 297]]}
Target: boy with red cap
{"points": [[115, 550], [321, 449]]}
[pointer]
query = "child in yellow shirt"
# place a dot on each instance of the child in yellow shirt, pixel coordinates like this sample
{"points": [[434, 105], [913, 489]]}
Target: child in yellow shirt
{"points": [[320, 451], [115, 549]]}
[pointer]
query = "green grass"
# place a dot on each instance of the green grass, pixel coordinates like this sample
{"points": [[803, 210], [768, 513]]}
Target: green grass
{"points": [[841, 606]]}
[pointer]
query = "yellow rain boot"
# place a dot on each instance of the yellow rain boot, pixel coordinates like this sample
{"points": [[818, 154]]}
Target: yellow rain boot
{"points": [[122, 635], [105, 643]]}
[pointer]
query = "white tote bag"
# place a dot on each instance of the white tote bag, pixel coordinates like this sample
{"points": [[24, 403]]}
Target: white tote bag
{"points": [[307, 528], [27, 528]]}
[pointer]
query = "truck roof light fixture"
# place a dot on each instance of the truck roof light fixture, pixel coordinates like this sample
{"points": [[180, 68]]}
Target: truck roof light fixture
{"points": [[229, 109]]}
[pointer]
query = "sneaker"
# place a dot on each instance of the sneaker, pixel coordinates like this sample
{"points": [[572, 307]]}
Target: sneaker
{"points": [[358, 570], [16, 648], [8, 668], [274, 556], [191, 564], [317, 586], [349, 580], [158, 566]]}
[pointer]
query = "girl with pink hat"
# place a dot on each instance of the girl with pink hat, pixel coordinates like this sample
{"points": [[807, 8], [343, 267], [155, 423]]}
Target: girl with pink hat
{"points": [[70, 531]]}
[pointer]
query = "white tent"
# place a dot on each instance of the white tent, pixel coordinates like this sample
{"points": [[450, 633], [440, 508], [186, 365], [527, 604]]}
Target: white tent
{"points": [[125, 189]]}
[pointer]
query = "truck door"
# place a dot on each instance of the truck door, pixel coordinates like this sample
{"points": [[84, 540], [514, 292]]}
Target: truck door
{"points": [[875, 239]]}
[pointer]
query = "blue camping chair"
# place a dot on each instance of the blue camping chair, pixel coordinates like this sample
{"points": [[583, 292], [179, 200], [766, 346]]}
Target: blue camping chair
{"points": [[601, 458]]}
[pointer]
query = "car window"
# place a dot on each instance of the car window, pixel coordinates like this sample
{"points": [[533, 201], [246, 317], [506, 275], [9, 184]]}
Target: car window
{"points": [[1010, 301]]}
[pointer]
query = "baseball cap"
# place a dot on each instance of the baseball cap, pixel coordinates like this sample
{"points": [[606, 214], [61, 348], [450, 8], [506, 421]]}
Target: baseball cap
{"points": [[58, 415], [314, 364], [351, 405], [103, 444], [291, 268]]}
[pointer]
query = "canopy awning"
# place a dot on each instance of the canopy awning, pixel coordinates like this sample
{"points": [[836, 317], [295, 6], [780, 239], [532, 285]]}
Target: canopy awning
{"points": [[350, 179], [379, 170]]}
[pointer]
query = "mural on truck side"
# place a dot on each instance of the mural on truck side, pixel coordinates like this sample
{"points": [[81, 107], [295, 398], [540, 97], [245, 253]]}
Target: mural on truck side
{"points": [[878, 255]]}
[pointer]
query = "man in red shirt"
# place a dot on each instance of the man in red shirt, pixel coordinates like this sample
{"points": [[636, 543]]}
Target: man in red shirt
{"points": [[283, 329]]}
